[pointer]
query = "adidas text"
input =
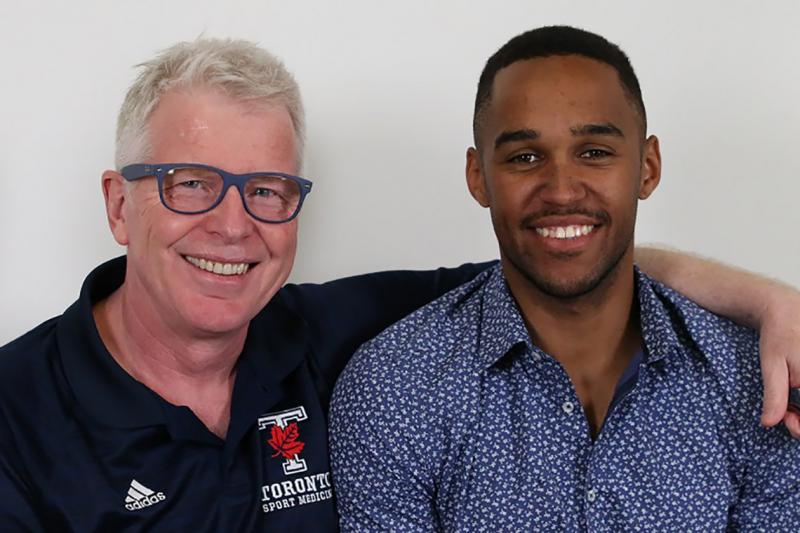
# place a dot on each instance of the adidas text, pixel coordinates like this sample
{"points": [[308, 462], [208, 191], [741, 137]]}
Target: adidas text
{"points": [[146, 502], [140, 497]]}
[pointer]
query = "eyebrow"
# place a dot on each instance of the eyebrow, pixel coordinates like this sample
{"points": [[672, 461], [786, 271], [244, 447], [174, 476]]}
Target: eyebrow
{"points": [[514, 136], [597, 129], [582, 130]]}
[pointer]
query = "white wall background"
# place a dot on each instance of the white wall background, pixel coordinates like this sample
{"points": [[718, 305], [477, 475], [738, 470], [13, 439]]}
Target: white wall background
{"points": [[389, 88]]}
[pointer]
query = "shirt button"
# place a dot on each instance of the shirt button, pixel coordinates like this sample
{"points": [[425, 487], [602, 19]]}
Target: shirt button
{"points": [[591, 495], [568, 407]]}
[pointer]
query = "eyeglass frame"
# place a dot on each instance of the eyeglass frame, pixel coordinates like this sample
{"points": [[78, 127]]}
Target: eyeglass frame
{"points": [[138, 171]]}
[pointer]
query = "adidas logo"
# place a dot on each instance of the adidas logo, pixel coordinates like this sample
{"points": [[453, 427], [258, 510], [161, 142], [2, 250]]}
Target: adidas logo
{"points": [[140, 497]]}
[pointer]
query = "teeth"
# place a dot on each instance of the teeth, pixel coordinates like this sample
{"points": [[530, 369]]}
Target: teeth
{"points": [[565, 232], [224, 269]]}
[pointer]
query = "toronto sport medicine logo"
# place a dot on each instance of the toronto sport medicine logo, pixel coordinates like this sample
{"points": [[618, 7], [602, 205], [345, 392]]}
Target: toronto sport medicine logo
{"points": [[284, 442], [285, 437]]}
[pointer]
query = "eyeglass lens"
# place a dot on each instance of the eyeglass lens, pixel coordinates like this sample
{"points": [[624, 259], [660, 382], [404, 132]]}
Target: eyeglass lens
{"points": [[192, 190]]}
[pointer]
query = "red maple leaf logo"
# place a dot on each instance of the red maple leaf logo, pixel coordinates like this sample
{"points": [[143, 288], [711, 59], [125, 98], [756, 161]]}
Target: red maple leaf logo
{"points": [[284, 441]]}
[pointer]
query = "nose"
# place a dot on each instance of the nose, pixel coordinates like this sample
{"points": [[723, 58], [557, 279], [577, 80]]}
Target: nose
{"points": [[562, 185], [229, 218]]}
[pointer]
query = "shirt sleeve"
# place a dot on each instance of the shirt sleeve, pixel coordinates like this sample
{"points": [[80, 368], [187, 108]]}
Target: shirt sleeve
{"points": [[345, 313], [382, 476], [17, 513], [769, 499]]}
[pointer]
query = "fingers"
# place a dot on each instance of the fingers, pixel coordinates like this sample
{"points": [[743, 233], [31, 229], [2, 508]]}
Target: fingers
{"points": [[776, 390], [792, 423]]}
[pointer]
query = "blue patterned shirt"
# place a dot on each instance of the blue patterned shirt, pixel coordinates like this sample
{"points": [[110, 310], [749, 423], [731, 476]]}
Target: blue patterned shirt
{"points": [[452, 420]]}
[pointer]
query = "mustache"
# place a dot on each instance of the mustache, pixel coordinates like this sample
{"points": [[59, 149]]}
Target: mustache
{"points": [[602, 217]]}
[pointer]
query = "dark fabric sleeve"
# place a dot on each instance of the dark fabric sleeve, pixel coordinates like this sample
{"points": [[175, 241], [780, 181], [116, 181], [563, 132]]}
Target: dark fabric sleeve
{"points": [[16, 509], [345, 313]]}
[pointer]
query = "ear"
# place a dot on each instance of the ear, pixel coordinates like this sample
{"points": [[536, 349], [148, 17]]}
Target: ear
{"points": [[475, 179], [113, 185], [651, 168]]}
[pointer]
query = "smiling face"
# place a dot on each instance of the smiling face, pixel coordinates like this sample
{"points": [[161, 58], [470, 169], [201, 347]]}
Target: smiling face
{"points": [[562, 164], [170, 254]]}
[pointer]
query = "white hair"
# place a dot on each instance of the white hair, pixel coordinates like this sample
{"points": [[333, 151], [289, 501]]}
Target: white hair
{"points": [[239, 68]]}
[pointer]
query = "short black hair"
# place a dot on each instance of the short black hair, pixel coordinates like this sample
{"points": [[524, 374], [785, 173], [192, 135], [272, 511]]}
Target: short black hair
{"points": [[557, 41]]}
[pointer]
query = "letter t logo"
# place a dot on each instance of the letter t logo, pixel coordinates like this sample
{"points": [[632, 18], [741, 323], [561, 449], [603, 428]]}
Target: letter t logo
{"points": [[284, 440]]}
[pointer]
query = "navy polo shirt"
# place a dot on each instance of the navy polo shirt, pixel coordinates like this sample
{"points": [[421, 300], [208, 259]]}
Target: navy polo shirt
{"points": [[85, 447]]}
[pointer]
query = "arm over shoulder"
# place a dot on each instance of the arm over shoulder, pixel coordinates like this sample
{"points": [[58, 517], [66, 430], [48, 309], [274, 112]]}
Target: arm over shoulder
{"points": [[345, 313]]}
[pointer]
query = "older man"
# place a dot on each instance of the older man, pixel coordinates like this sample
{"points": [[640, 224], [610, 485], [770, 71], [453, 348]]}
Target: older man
{"points": [[562, 390], [185, 390]]}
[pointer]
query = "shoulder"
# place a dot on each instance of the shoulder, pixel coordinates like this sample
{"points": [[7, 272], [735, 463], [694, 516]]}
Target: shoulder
{"points": [[418, 379], [28, 390], [726, 350], [391, 287], [425, 339], [717, 337], [319, 298], [345, 313], [417, 362], [767, 459], [22, 360]]}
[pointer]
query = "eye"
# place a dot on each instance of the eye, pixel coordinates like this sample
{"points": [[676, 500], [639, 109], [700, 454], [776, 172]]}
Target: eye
{"points": [[525, 158], [190, 184], [595, 153], [192, 179], [264, 192]]}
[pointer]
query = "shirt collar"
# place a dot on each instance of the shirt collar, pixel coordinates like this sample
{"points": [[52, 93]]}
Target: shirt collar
{"points": [[101, 387], [275, 345], [656, 320], [503, 328]]}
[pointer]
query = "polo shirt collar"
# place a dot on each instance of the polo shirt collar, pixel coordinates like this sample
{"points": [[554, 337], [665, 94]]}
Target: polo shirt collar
{"points": [[275, 345], [101, 387]]}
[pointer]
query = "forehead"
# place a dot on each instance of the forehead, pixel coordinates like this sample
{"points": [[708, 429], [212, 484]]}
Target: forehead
{"points": [[201, 125], [558, 92]]}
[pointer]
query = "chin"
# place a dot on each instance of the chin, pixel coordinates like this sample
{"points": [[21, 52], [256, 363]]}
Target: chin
{"points": [[567, 289], [566, 279], [218, 317]]}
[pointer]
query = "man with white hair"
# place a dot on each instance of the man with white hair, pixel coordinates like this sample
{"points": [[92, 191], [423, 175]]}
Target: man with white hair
{"points": [[186, 390]]}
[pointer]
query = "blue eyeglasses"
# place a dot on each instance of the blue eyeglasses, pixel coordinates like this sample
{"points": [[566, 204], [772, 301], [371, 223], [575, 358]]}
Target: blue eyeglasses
{"points": [[191, 189]]}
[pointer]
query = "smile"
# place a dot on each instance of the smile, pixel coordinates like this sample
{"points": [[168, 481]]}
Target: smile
{"points": [[564, 232], [223, 269]]}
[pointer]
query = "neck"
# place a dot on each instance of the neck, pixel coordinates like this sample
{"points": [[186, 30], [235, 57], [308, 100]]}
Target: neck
{"points": [[593, 336], [588, 328], [184, 369]]}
